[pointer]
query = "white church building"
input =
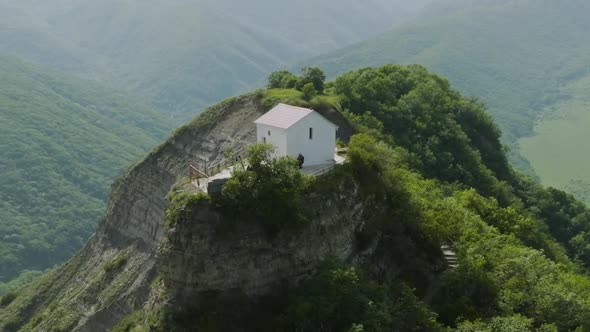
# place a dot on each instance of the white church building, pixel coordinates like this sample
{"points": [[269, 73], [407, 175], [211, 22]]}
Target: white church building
{"points": [[297, 130]]}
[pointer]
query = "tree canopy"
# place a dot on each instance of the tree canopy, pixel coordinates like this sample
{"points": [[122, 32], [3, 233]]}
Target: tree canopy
{"points": [[312, 77], [275, 181]]}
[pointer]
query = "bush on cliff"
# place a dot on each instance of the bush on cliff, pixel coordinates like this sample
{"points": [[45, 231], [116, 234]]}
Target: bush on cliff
{"points": [[7, 299], [181, 202], [270, 190]]}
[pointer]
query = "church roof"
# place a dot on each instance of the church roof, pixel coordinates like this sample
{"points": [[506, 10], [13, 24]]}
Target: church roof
{"points": [[284, 116]]}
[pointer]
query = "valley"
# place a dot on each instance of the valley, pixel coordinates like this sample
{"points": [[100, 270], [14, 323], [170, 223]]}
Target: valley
{"points": [[558, 150]]}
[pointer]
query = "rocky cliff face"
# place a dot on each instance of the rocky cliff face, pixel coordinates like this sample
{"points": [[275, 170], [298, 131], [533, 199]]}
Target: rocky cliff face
{"points": [[111, 276], [200, 254]]}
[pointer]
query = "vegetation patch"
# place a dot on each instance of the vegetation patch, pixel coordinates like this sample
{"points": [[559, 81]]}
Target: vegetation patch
{"points": [[8, 298], [268, 190], [182, 202], [25, 278], [338, 297], [131, 323], [115, 263], [308, 90]]}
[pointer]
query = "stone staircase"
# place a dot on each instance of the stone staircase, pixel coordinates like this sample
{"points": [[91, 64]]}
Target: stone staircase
{"points": [[450, 256]]}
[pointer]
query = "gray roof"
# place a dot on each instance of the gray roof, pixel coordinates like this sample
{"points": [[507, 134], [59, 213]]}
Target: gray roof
{"points": [[284, 116]]}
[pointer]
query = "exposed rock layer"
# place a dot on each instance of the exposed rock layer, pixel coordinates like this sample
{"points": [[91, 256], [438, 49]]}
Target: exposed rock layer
{"points": [[202, 254]]}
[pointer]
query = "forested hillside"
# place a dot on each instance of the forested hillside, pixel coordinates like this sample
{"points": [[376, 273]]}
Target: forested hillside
{"points": [[429, 166], [62, 142], [181, 55], [357, 249], [527, 60]]}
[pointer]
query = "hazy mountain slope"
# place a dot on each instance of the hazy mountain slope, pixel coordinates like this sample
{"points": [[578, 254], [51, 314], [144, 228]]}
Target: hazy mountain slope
{"points": [[24, 32], [62, 141], [513, 54], [184, 54]]}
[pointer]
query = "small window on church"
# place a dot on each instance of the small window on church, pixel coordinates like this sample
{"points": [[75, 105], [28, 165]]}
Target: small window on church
{"points": [[310, 133], [264, 139], [269, 133]]}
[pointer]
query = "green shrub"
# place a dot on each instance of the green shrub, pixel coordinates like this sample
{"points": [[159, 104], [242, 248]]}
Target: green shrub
{"points": [[308, 91], [268, 190], [181, 202], [115, 263], [8, 298], [315, 76], [131, 323]]}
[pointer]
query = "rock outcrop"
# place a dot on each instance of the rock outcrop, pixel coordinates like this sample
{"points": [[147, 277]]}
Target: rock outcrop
{"points": [[201, 254]]}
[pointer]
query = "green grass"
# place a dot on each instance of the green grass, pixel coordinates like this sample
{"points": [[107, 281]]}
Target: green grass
{"points": [[283, 94], [7, 299], [558, 150], [271, 97]]}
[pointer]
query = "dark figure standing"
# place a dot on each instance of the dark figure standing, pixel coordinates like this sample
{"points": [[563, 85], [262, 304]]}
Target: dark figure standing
{"points": [[300, 159]]}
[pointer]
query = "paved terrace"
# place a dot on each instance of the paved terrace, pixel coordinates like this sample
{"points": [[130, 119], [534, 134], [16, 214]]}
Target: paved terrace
{"points": [[314, 170]]}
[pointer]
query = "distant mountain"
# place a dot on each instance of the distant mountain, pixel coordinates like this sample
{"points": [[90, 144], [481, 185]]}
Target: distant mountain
{"points": [[519, 56], [62, 141], [183, 54]]}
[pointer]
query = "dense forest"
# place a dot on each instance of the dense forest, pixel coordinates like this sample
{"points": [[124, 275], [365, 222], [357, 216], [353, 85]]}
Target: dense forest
{"points": [[527, 60], [62, 141]]}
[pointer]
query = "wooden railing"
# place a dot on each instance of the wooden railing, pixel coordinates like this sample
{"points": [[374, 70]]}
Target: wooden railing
{"points": [[232, 159], [196, 173]]}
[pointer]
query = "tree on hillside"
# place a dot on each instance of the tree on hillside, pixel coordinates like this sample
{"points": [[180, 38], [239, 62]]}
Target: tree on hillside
{"points": [[315, 76], [282, 79], [308, 91], [269, 190]]}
